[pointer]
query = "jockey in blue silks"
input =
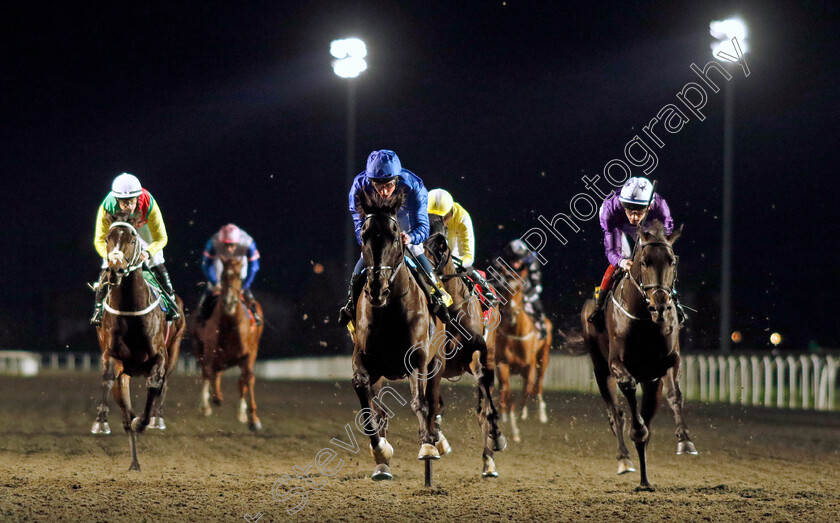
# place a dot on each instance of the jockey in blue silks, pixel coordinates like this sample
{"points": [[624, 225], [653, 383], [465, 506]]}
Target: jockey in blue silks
{"points": [[384, 174]]}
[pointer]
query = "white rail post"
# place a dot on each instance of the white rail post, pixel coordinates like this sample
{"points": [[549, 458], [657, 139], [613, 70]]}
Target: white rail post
{"points": [[805, 365], [831, 364], [780, 381], [755, 363], [817, 364], [722, 366], [792, 381], [768, 381], [745, 379], [54, 361], [703, 364], [689, 385], [712, 362], [733, 379]]}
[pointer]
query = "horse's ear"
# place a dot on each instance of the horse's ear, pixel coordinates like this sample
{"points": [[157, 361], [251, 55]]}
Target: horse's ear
{"points": [[643, 233], [365, 202], [676, 234], [397, 200]]}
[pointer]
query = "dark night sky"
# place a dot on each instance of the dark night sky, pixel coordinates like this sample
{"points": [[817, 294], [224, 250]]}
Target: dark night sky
{"points": [[229, 111]]}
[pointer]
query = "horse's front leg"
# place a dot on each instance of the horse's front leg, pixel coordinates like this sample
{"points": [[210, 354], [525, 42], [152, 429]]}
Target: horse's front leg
{"points": [[381, 450], [100, 425], [246, 389], [617, 367], [673, 394], [154, 387], [122, 395]]}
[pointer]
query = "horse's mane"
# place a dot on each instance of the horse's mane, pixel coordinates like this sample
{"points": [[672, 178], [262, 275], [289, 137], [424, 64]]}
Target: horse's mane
{"points": [[123, 216], [373, 203]]}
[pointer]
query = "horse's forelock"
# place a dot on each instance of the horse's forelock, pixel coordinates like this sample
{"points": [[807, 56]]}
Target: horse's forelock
{"points": [[655, 232]]}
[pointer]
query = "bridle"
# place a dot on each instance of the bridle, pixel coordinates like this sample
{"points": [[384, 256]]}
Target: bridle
{"points": [[133, 265], [377, 269], [443, 259], [642, 287], [135, 257]]}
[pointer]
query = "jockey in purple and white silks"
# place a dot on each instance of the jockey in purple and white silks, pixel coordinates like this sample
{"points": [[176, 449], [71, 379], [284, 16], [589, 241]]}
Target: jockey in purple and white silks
{"points": [[620, 215], [384, 175]]}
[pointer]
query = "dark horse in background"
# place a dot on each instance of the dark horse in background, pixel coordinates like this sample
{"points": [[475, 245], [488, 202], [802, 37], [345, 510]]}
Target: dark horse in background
{"points": [[392, 332], [641, 345], [229, 337], [135, 338], [467, 349], [520, 349]]}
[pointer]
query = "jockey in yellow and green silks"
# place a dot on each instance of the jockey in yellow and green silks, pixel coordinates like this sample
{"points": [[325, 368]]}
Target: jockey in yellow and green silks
{"points": [[127, 195]]}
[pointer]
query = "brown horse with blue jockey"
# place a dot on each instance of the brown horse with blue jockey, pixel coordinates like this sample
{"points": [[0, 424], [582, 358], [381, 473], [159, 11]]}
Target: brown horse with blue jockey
{"points": [[230, 337]]}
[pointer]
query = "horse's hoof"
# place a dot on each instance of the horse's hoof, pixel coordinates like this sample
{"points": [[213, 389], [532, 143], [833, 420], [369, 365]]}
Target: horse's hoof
{"points": [[442, 445], [497, 444], [134, 466], [428, 451], [137, 426], [381, 472], [383, 451], [217, 401], [524, 412], [625, 466], [489, 469], [256, 426], [543, 415], [100, 428], [645, 487], [517, 439], [686, 447], [156, 422], [206, 411]]}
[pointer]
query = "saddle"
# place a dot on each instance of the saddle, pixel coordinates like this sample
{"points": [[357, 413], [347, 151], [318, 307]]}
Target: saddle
{"points": [[157, 290]]}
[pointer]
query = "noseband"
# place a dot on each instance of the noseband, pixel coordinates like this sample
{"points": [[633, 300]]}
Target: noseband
{"points": [[668, 290], [135, 258]]}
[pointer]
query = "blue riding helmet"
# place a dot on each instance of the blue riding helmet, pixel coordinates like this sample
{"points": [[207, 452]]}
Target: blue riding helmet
{"points": [[383, 165]]}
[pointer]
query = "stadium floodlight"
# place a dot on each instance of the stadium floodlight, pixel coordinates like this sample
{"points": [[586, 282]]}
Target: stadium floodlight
{"points": [[349, 56], [724, 31]]}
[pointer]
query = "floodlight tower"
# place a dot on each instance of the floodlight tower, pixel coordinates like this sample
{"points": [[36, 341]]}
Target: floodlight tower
{"points": [[724, 31], [349, 63]]}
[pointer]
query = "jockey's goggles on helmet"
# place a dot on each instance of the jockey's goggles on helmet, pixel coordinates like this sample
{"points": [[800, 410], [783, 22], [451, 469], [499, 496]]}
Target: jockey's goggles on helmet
{"points": [[385, 182], [634, 206]]}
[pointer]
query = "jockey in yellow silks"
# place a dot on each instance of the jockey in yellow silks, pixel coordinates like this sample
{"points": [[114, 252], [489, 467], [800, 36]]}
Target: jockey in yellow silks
{"points": [[459, 226], [127, 195]]}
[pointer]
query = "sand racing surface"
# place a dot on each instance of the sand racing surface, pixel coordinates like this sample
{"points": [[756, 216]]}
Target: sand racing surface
{"points": [[754, 464]]}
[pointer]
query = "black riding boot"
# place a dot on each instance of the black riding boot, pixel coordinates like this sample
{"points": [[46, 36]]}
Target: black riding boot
{"points": [[251, 303], [162, 276], [348, 312], [101, 291], [476, 276], [597, 317]]}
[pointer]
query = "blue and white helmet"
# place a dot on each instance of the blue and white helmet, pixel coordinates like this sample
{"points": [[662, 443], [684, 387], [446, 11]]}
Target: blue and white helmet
{"points": [[637, 193], [383, 165]]}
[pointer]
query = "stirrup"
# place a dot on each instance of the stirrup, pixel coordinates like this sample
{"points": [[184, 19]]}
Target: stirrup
{"points": [[96, 319]]}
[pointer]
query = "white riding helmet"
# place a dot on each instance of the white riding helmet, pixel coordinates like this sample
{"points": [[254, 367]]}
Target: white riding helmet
{"points": [[126, 186], [636, 193], [440, 202]]}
